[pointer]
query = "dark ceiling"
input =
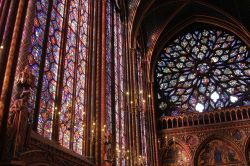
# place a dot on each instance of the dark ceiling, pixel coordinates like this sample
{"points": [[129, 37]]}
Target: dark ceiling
{"points": [[156, 16]]}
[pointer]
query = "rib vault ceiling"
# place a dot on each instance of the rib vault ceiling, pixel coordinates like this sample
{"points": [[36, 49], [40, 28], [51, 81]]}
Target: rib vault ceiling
{"points": [[153, 18]]}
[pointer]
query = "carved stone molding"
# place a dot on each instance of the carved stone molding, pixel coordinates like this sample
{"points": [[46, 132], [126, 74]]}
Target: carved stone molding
{"points": [[43, 151], [194, 137]]}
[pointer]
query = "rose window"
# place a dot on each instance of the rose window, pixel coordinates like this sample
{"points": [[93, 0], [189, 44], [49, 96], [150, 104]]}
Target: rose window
{"points": [[202, 71]]}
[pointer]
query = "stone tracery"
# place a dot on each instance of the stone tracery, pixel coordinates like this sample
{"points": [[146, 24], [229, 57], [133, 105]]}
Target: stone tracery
{"points": [[201, 71]]}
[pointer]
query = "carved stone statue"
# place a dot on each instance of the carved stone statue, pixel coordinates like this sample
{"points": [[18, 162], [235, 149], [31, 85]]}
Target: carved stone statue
{"points": [[108, 145], [19, 113], [25, 78]]}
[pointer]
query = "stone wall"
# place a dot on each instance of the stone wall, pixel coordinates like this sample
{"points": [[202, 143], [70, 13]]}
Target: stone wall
{"points": [[216, 142]]}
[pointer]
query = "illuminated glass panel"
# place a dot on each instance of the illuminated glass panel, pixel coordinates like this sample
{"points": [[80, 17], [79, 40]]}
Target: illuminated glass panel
{"points": [[201, 71], [108, 66], [72, 121], [36, 47], [50, 74], [38, 36], [121, 69], [68, 79], [119, 88], [79, 123], [68, 87]]}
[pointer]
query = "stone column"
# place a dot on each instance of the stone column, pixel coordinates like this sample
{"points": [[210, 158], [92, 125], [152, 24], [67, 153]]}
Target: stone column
{"points": [[9, 75], [24, 52], [4, 10], [103, 149], [6, 33]]}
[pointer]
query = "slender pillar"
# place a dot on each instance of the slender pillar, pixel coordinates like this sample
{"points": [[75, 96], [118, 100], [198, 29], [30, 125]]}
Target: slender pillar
{"points": [[131, 108], [113, 119], [10, 72], [126, 91], [153, 123], [4, 10], [98, 99], [126, 100], [6, 37], [103, 85], [92, 97], [1, 6], [89, 75], [25, 44]]}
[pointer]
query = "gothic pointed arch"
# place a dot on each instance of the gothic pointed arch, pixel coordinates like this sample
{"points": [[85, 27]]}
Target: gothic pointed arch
{"points": [[218, 149], [175, 152], [178, 62]]}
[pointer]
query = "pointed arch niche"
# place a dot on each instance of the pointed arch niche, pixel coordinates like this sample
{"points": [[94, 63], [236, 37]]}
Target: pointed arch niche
{"points": [[218, 151], [176, 154]]}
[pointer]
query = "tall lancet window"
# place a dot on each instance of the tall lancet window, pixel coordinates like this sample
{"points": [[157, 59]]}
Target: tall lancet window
{"points": [[109, 58], [115, 69], [60, 62], [119, 87], [202, 70]]}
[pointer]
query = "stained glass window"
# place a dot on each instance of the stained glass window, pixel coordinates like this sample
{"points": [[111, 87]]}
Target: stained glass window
{"points": [[68, 81], [108, 115], [115, 77], [119, 87], [71, 114], [47, 103], [202, 70], [80, 78], [45, 122]]}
